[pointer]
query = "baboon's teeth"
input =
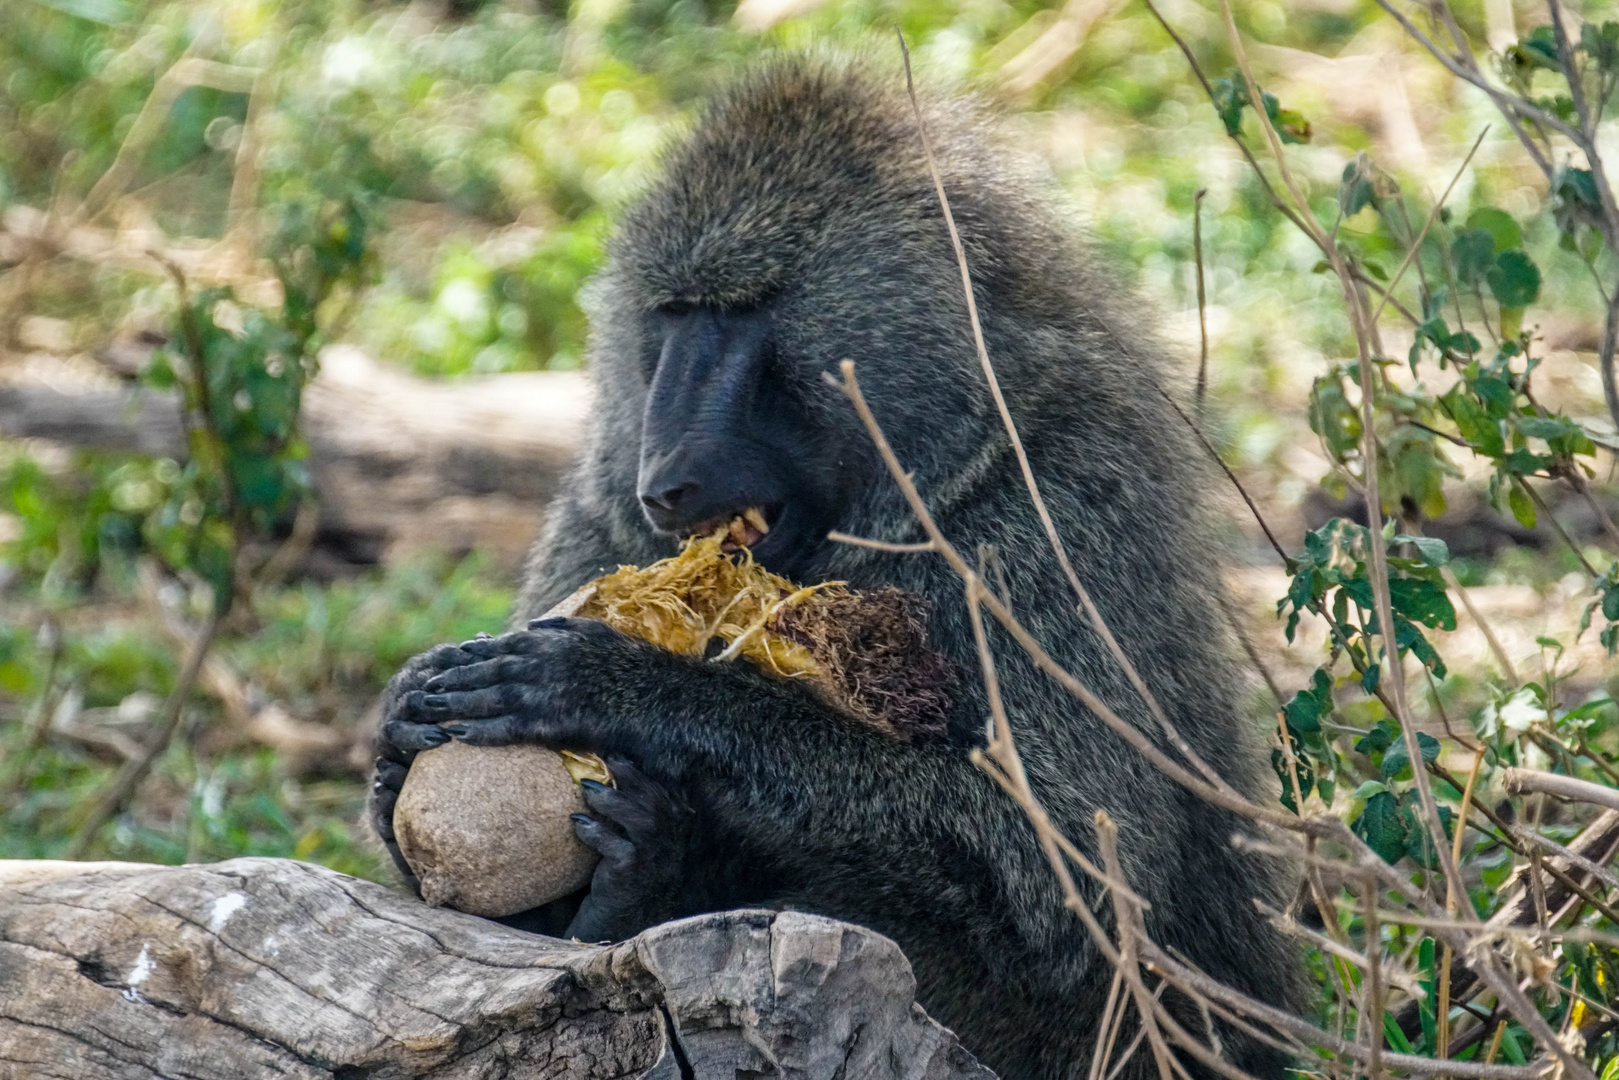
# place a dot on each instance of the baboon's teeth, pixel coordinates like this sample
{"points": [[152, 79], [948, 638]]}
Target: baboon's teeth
{"points": [[755, 517]]}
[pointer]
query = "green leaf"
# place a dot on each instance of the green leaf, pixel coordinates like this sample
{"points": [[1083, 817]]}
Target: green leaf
{"points": [[1434, 551], [1398, 757], [1523, 508], [1539, 49], [1547, 427], [1422, 601], [1501, 226], [1473, 251], [1419, 842], [1601, 44], [1303, 713], [1358, 188], [1380, 737], [1290, 124], [1514, 279], [1380, 826], [1396, 1037], [1278, 762], [1228, 97], [1496, 394], [1525, 462]]}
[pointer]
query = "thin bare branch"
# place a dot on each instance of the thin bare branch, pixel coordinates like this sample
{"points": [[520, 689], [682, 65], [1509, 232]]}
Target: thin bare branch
{"points": [[1523, 781], [1377, 557], [1202, 300], [880, 545], [1221, 796], [1590, 866], [1291, 928], [1050, 526], [1276, 545], [1124, 918], [1190, 979], [1433, 215], [1482, 623], [133, 772]]}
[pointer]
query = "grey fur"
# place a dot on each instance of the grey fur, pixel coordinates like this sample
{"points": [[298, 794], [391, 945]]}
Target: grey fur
{"points": [[805, 187]]}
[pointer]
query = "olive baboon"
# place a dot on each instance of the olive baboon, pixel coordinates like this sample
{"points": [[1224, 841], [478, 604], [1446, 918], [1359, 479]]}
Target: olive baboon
{"points": [[796, 227]]}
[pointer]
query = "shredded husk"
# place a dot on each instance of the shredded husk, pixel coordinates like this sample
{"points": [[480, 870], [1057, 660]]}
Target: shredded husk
{"points": [[864, 653], [685, 602]]}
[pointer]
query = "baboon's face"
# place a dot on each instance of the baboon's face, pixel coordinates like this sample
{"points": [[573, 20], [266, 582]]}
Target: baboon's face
{"points": [[726, 435]]}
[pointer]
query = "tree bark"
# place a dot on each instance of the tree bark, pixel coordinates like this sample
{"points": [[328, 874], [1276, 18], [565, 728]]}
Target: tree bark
{"points": [[268, 967]]}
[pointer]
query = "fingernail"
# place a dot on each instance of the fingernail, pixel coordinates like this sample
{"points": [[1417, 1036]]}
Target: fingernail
{"points": [[593, 785], [456, 730], [547, 624], [482, 635], [435, 701], [438, 736], [581, 819]]}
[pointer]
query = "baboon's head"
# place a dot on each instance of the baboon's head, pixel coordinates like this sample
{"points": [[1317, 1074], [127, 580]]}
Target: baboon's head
{"points": [[796, 227]]}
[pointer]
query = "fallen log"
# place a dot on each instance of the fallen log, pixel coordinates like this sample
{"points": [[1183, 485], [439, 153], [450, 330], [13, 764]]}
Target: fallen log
{"points": [[396, 461], [268, 967]]}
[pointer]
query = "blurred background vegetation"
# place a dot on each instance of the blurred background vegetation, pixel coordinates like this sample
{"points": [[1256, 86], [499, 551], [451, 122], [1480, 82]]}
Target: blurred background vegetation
{"points": [[202, 198]]}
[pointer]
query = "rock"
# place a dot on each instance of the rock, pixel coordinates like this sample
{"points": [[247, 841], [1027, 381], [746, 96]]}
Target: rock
{"points": [[487, 829]]}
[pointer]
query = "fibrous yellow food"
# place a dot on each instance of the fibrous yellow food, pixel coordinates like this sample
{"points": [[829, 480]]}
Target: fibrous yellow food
{"points": [[487, 829], [865, 653]]}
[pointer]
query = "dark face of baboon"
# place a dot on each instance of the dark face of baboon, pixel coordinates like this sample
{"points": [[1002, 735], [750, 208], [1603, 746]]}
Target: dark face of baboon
{"points": [[726, 435], [798, 227]]}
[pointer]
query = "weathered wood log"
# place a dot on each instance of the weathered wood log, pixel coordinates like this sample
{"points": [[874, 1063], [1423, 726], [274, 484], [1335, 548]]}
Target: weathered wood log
{"points": [[396, 460], [267, 967]]}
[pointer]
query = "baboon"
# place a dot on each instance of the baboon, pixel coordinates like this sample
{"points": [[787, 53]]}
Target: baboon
{"points": [[796, 227]]}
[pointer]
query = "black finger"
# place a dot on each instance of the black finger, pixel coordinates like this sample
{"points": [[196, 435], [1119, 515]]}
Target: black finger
{"points": [[541, 628], [403, 867], [494, 731], [628, 777], [500, 669], [601, 839], [554, 622], [383, 801], [485, 648], [411, 708], [636, 818], [409, 736], [477, 704], [447, 655], [390, 775], [644, 790]]}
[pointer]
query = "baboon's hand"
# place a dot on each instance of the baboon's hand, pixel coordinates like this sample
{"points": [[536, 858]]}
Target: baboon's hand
{"points": [[404, 734], [642, 832], [572, 684]]}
